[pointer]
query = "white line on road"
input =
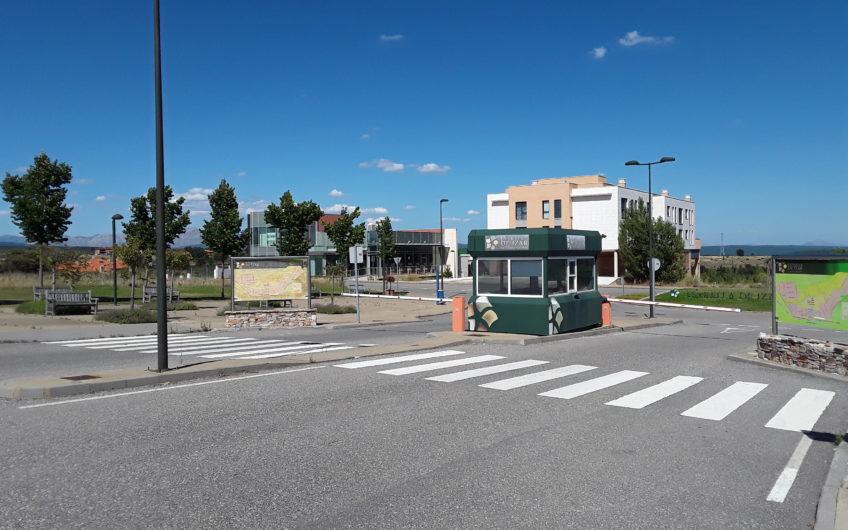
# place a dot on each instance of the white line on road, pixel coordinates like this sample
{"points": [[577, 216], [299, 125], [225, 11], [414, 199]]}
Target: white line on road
{"points": [[802, 411], [592, 385], [226, 348], [107, 339], [719, 406], [402, 358], [538, 377], [442, 364], [477, 372], [207, 348], [298, 352], [159, 389], [210, 340], [652, 394], [787, 476]]}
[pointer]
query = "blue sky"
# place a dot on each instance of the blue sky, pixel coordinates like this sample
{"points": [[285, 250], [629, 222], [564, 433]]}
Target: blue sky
{"points": [[391, 106]]}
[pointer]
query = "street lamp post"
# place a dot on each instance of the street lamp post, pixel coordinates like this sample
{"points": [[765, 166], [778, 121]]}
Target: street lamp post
{"points": [[116, 217], [650, 222], [440, 288]]}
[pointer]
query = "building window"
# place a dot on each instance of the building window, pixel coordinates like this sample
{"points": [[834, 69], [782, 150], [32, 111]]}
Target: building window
{"points": [[557, 209], [623, 206], [525, 277], [520, 277], [668, 212], [546, 209], [570, 275], [492, 275], [521, 211]]}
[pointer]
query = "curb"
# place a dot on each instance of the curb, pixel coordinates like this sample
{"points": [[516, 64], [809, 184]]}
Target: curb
{"points": [[750, 357], [52, 387], [832, 511]]}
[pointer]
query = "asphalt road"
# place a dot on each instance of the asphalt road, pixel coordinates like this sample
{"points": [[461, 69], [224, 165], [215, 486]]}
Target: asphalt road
{"points": [[332, 447]]}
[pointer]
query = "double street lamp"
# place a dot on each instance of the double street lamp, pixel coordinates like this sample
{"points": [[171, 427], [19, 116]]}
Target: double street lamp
{"points": [[650, 221], [116, 217], [440, 271]]}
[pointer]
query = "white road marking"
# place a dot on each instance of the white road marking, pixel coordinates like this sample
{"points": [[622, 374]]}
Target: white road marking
{"points": [[210, 340], [477, 372], [401, 359], [652, 394], [538, 377], [593, 385], [787, 476], [299, 352], [123, 342], [107, 339], [196, 350], [441, 364], [802, 411], [720, 406], [273, 350], [163, 388]]}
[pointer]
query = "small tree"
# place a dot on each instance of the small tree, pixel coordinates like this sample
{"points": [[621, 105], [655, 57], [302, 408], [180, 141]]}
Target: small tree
{"points": [[633, 246], [334, 271], [38, 203], [344, 234], [740, 252], [69, 264], [292, 220], [386, 242], [176, 260], [222, 232], [135, 258]]}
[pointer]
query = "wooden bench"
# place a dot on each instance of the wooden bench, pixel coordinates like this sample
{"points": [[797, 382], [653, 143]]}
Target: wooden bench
{"points": [[38, 292], [149, 294], [54, 300]]}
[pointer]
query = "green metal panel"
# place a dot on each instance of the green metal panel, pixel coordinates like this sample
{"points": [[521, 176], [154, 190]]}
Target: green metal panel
{"points": [[541, 242]]}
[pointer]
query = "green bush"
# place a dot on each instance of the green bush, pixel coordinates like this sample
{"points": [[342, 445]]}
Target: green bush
{"points": [[331, 309], [127, 316], [177, 306], [35, 307]]}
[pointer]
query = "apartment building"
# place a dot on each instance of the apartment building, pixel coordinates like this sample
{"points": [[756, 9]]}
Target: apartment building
{"points": [[590, 203]]}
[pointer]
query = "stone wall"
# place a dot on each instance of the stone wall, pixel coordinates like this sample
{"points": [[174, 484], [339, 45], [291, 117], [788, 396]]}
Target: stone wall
{"points": [[830, 357], [272, 318]]}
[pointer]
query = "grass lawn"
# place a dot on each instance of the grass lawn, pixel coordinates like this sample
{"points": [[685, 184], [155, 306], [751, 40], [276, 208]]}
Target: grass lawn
{"points": [[744, 299]]}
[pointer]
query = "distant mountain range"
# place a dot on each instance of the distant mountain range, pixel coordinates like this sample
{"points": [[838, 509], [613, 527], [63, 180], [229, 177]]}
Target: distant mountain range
{"points": [[768, 250], [190, 239]]}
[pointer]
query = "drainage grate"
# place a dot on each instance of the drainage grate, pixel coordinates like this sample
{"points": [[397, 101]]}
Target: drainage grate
{"points": [[80, 377]]}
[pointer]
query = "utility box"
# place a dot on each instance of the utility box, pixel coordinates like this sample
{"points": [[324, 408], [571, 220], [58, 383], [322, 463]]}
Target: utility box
{"points": [[534, 281]]}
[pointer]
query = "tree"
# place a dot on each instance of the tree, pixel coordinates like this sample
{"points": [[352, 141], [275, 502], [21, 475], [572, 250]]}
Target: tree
{"points": [[69, 264], [333, 271], [135, 258], [176, 260], [386, 242], [740, 252], [344, 234], [222, 232], [38, 203], [633, 246], [292, 220], [141, 228]]}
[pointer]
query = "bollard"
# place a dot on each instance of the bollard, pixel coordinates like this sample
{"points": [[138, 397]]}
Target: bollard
{"points": [[458, 314], [606, 314]]}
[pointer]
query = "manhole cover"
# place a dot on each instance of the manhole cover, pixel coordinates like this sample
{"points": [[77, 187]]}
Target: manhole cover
{"points": [[80, 377]]}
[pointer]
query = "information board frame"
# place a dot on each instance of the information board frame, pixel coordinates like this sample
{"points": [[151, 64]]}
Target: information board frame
{"points": [[808, 291], [268, 264]]}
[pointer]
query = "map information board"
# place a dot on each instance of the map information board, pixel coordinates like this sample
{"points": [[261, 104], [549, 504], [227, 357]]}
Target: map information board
{"points": [[270, 278], [812, 293]]}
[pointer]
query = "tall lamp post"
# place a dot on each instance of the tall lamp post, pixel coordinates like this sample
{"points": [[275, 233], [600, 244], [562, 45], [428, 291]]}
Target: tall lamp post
{"points": [[440, 288], [116, 217], [650, 221]]}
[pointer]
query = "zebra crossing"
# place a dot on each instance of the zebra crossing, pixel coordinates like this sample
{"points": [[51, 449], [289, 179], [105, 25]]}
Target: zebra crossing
{"points": [[210, 347], [800, 413]]}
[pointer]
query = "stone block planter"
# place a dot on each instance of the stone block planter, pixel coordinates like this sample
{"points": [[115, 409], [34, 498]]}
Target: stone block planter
{"points": [[272, 318]]}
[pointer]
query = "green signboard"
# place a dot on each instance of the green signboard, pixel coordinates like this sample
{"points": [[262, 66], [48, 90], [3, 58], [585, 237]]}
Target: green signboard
{"points": [[812, 292]]}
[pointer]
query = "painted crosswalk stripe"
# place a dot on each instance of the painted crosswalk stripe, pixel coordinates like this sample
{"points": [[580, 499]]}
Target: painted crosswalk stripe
{"points": [[401, 359], [787, 477], [210, 340], [207, 348], [652, 394], [107, 339], [441, 364], [720, 406], [316, 350], [149, 342], [265, 353], [120, 341], [538, 377], [802, 411], [593, 385], [478, 372]]}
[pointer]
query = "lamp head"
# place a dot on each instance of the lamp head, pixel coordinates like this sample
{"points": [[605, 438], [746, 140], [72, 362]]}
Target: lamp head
{"points": [[666, 159], [117, 217], [631, 163], [443, 200]]}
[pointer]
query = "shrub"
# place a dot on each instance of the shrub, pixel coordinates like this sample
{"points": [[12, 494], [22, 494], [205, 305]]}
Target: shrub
{"points": [[177, 306], [35, 307], [332, 309], [127, 316]]}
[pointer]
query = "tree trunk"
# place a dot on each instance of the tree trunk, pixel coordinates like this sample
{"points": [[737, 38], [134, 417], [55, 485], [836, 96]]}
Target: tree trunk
{"points": [[41, 266], [332, 289], [132, 290], [223, 281]]}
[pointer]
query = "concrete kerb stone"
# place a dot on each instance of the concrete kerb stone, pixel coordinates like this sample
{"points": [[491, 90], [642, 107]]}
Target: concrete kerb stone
{"points": [[39, 388], [832, 510], [750, 357]]}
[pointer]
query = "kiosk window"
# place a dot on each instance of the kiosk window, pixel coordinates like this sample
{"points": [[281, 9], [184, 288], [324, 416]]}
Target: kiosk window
{"points": [[526, 277], [557, 281], [585, 274], [492, 276], [571, 275]]}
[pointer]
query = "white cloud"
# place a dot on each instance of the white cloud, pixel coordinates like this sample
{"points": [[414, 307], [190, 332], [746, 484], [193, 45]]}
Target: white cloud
{"points": [[100, 198], [383, 163], [409, 207], [195, 213], [336, 193], [254, 206], [379, 210], [241, 174], [453, 219], [599, 52], [432, 168], [196, 194], [372, 220], [396, 36], [632, 38], [337, 208], [84, 181], [366, 136], [473, 212]]}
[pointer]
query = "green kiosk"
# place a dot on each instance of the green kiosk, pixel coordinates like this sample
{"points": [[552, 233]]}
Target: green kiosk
{"points": [[535, 281]]}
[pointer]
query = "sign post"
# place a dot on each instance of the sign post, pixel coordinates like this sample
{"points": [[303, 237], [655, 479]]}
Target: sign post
{"points": [[355, 256]]}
